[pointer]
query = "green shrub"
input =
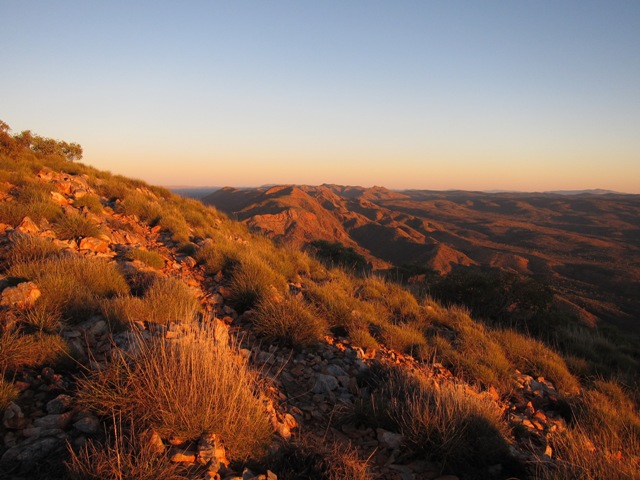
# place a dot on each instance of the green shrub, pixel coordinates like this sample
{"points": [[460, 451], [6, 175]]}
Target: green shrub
{"points": [[335, 254], [290, 320], [188, 248]]}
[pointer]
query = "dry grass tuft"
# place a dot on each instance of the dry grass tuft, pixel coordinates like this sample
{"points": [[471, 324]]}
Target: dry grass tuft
{"points": [[450, 423], [535, 358], [90, 202], [126, 456], [290, 320], [403, 338], [252, 281], [185, 387], [27, 248], [41, 317], [19, 350], [8, 392], [312, 460], [73, 285], [150, 258], [70, 226], [169, 299]]}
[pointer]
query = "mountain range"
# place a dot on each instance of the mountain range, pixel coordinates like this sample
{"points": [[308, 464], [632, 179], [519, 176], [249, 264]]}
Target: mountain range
{"points": [[585, 245]]}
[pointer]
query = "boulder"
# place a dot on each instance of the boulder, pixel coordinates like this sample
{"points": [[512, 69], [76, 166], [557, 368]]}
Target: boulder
{"points": [[87, 424], [325, 384], [57, 420], [28, 226], [388, 439], [60, 404], [13, 417], [21, 296], [94, 244]]}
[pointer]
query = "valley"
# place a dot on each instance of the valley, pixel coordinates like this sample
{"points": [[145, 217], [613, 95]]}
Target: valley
{"points": [[585, 246]]}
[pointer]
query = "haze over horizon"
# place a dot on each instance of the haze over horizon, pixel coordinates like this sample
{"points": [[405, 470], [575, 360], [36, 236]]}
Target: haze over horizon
{"points": [[429, 95]]}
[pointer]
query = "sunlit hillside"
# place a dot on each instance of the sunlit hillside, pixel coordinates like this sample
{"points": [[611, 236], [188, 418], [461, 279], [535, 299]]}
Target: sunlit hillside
{"points": [[147, 336]]}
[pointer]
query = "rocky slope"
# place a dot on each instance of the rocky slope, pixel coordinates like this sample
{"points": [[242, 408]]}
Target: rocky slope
{"points": [[355, 379]]}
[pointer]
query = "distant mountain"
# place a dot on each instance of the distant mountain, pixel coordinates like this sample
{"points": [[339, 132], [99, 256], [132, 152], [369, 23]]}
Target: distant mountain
{"points": [[193, 192], [593, 191], [585, 244]]}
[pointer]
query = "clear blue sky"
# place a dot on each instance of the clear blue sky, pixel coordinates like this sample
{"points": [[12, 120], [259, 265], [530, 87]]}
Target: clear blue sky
{"points": [[533, 95]]}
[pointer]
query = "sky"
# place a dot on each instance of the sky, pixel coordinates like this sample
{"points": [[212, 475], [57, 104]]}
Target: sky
{"points": [[474, 95]]}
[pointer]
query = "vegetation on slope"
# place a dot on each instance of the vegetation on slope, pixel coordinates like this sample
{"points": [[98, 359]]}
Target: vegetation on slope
{"points": [[187, 384]]}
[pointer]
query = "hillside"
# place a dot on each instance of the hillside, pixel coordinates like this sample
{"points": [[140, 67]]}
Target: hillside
{"points": [[144, 336], [585, 246]]}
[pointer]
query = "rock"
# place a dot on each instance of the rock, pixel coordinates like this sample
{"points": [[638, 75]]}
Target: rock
{"points": [[189, 261], [186, 457], [283, 430], [325, 384], [97, 327], [13, 417], [152, 438], [32, 432], [211, 451], [336, 371], [175, 441], [290, 421], [60, 199], [21, 296], [10, 439], [27, 226], [33, 453], [54, 420], [94, 244], [88, 423], [220, 333], [60, 404], [225, 292], [388, 439], [247, 474]]}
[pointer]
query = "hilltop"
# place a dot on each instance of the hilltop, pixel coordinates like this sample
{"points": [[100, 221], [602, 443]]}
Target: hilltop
{"points": [[585, 246], [144, 335]]}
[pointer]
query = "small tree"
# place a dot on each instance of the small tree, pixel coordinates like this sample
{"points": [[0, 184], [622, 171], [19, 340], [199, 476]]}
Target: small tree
{"points": [[42, 145]]}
